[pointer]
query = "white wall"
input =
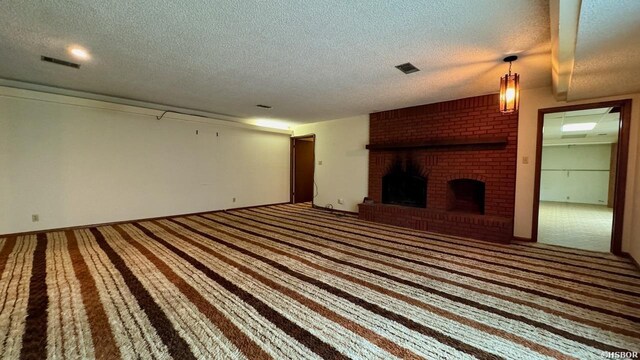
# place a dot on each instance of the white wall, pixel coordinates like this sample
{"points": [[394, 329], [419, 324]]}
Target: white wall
{"points": [[77, 162], [344, 173], [575, 173], [530, 102]]}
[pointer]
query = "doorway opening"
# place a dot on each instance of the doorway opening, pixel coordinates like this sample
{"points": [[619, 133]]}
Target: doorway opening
{"points": [[302, 168], [581, 176]]}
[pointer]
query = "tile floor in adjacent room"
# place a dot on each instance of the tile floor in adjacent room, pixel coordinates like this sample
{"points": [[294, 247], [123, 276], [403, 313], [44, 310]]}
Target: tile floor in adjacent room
{"points": [[581, 226]]}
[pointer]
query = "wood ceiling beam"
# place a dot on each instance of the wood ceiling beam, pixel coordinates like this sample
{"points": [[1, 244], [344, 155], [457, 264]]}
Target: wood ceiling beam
{"points": [[564, 16]]}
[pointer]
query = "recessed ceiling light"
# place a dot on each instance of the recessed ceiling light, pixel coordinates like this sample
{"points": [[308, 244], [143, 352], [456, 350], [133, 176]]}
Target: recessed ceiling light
{"points": [[79, 52], [578, 127]]}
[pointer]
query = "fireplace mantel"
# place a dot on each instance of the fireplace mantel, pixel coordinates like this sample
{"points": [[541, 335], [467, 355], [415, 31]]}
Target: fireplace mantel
{"points": [[442, 143]]}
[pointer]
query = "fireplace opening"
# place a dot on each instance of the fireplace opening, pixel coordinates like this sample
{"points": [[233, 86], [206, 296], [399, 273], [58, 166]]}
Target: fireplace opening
{"points": [[466, 195], [404, 185]]}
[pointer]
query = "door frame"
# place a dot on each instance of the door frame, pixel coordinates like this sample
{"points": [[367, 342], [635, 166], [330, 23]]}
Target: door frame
{"points": [[292, 165], [621, 163]]}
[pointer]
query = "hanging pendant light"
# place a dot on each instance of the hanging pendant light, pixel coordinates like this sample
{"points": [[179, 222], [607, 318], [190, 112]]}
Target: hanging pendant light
{"points": [[509, 89]]}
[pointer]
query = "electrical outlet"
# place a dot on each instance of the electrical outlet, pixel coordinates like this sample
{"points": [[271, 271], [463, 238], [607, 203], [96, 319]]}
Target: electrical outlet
{"points": [[319, 162], [340, 201], [234, 199], [35, 218], [525, 160]]}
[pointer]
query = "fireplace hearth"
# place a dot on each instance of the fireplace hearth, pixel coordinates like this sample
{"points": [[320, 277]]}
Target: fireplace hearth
{"points": [[404, 185]]}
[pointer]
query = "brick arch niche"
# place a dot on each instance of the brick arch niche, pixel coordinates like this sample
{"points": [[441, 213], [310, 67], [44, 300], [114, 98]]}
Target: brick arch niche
{"points": [[466, 150], [466, 196]]}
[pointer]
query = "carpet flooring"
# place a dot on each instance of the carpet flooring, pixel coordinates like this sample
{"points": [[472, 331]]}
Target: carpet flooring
{"points": [[292, 282]]}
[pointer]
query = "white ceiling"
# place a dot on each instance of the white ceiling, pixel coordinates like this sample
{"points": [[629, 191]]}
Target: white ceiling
{"points": [[310, 60], [605, 131], [607, 53], [318, 60]]}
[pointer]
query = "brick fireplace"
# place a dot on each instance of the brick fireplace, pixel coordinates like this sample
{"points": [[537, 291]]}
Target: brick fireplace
{"points": [[461, 152]]}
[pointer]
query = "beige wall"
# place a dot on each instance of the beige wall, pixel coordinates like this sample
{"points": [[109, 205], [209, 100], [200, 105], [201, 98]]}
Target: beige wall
{"points": [[531, 101], [76, 162], [340, 145]]}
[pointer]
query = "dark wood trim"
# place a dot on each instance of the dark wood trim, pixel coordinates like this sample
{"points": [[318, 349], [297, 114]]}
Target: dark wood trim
{"points": [[537, 170], [291, 165], [335, 210], [621, 161], [519, 238], [441, 143], [621, 176], [136, 220]]}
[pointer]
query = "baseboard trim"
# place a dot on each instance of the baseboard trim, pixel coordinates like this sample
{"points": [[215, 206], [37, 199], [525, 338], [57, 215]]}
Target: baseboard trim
{"points": [[519, 238], [135, 220], [633, 260], [334, 210]]}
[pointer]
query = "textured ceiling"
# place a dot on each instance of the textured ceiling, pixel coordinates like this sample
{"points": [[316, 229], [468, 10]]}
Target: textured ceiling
{"points": [[607, 55], [310, 60]]}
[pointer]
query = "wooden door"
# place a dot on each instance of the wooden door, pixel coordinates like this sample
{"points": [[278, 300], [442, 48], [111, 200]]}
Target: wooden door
{"points": [[303, 161]]}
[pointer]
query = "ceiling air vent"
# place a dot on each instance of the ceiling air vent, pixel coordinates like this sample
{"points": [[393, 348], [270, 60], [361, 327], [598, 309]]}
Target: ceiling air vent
{"points": [[60, 62], [576, 136], [264, 106], [407, 68]]}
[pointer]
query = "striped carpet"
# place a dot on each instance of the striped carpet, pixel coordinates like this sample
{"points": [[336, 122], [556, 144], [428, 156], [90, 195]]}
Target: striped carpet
{"points": [[292, 282]]}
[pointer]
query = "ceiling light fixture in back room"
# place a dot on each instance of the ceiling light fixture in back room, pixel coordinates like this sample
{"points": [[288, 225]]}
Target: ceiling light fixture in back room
{"points": [[510, 89]]}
